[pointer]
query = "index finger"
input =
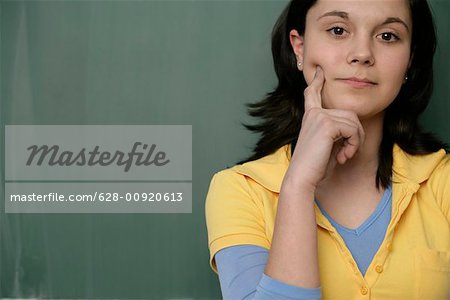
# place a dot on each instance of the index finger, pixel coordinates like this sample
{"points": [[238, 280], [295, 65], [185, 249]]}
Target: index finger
{"points": [[313, 98]]}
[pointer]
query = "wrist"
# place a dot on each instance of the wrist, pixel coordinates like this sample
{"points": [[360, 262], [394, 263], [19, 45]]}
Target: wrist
{"points": [[297, 185]]}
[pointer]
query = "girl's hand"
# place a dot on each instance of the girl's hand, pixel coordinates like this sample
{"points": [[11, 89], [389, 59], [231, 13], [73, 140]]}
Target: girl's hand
{"points": [[327, 136]]}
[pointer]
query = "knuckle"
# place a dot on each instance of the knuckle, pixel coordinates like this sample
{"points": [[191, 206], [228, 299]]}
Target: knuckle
{"points": [[356, 141], [353, 116], [326, 124], [322, 116], [363, 135]]}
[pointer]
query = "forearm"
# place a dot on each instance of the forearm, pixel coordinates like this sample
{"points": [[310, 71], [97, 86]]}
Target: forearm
{"points": [[293, 255], [241, 276]]}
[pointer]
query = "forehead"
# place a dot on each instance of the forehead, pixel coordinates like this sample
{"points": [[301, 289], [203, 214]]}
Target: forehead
{"points": [[365, 10]]}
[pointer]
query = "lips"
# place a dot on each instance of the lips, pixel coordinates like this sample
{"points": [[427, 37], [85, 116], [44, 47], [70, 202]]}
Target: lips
{"points": [[358, 82]]}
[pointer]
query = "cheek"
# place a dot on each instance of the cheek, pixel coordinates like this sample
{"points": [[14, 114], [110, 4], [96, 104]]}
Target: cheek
{"points": [[309, 70], [395, 66], [325, 59], [393, 74]]}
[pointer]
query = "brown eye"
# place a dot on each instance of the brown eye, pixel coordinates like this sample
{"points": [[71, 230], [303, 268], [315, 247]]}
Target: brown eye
{"points": [[337, 30], [388, 37]]}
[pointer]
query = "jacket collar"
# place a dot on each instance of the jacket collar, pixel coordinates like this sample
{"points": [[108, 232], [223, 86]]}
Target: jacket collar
{"points": [[269, 171], [414, 168]]}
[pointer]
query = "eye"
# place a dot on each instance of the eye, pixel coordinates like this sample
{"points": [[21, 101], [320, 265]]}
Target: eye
{"points": [[337, 31], [388, 37]]}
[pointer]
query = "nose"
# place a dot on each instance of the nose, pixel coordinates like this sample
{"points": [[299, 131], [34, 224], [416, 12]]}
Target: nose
{"points": [[361, 52]]}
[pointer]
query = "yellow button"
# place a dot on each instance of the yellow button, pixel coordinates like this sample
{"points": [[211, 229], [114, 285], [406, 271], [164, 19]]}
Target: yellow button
{"points": [[364, 290], [379, 268], [389, 246]]}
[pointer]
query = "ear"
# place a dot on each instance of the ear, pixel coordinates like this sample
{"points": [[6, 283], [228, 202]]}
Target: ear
{"points": [[297, 46]]}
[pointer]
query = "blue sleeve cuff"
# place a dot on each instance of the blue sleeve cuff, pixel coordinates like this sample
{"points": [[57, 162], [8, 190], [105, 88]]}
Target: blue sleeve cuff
{"points": [[278, 289]]}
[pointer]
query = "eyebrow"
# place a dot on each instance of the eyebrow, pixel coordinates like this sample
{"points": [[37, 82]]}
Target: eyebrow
{"points": [[344, 15], [395, 20], [336, 13]]}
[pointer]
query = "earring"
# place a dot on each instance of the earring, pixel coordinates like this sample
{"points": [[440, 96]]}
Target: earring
{"points": [[406, 78], [299, 64]]}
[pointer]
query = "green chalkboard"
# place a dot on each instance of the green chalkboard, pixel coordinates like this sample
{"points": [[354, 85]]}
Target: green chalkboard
{"points": [[148, 63]]}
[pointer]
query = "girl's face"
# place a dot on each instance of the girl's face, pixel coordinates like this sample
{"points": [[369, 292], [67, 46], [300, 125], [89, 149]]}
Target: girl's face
{"points": [[363, 47]]}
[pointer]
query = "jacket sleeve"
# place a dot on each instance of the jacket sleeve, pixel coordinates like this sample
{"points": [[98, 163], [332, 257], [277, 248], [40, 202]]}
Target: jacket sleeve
{"points": [[233, 216]]}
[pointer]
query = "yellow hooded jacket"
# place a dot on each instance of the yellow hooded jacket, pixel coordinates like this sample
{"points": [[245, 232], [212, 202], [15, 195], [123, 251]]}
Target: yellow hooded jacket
{"points": [[413, 262]]}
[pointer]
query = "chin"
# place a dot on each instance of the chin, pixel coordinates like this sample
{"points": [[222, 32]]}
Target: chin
{"points": [[359, 106], [345, 104]]}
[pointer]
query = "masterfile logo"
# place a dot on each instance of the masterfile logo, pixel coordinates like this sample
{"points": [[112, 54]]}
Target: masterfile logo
{"points": [[53, 156], [98, 169], [102, 152]]}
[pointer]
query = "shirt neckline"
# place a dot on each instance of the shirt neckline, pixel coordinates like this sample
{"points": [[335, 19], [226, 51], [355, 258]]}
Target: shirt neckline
{"points": [[386, 198]]}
